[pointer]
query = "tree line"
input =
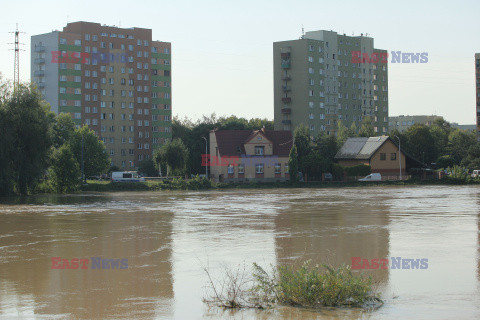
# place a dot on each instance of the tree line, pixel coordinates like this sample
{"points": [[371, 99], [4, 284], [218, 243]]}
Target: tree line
{"points": [[41, 150]]}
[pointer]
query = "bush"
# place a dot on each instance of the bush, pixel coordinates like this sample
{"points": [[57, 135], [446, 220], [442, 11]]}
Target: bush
{"points": [[337, 171], [307, 286], [358, 170], [311, 287]]}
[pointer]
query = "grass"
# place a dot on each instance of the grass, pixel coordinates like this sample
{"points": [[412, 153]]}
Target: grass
{"points": [[307, 287]]}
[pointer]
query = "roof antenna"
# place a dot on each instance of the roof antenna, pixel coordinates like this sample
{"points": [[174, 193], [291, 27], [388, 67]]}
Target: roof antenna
{"points": [[303, 32]]}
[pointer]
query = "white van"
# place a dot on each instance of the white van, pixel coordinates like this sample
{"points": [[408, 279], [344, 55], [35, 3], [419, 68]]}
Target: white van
{"points": [[476, 173], [372, 177], [126, 176]]}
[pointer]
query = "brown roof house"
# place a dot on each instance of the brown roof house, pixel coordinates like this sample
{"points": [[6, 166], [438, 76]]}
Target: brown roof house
{"points": [[380, 153], [246, 155]]}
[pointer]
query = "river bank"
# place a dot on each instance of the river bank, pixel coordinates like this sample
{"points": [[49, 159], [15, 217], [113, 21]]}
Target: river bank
{"points": [[203, 184]]}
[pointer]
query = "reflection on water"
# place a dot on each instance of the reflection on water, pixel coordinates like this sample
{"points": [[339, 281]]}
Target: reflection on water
{"points": [[168, 237]]}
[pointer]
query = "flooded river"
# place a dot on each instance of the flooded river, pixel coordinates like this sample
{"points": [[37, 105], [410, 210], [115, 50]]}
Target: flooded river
{"points": [[168, 237]]}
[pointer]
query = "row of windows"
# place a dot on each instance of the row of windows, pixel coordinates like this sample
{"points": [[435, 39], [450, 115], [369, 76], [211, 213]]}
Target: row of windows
{"points": [[259, 168], [393, 156], [343, 117], [323, 128], [103, 104]]}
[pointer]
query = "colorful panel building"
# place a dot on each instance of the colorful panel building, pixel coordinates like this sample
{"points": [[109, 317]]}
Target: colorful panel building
{"points": [[115, 80]]}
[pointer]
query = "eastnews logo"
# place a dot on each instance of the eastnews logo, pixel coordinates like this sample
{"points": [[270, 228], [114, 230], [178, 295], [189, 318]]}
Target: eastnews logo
{"points": [[397, 57], [397, 263], [96, 263]]}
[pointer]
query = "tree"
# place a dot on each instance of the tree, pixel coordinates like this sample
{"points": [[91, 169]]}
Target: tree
{"points": [[147, 168], [95, 158], [327, 146], [366, 130], [420, 143], [472, 159], [172, 154], [25, 137], [459, 142], [293, 164], [344, 133], [64, 171], [62, 130], [302, 143]]}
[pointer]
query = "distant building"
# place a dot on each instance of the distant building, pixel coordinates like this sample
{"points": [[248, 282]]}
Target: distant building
{"points": [[466, 127], [402, 123], [380, 153], [245, 155], [115, 80], [477, 87], [317, 84]]}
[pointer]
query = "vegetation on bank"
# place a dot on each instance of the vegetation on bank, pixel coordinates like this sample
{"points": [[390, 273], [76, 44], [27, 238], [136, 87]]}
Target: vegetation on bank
{"points": [[308, 286]]}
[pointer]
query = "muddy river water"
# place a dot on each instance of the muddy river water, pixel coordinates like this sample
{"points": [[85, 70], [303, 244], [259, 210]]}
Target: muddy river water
{"points": [[166, 238]]}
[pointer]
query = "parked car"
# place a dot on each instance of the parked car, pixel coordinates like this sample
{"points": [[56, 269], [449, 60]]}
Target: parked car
{"points": [[126, 176], [372, 177]]}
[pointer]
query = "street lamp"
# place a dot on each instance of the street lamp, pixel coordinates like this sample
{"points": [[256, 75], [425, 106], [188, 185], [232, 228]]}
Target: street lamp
{"points": [[399, 156], [206, 152]]}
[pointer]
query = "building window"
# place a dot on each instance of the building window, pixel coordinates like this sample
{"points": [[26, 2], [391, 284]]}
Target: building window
{"points": [[383, 156], [278, 168], [259, 168], [230, 169], [393, 156], [241, 168], [259, 150]]}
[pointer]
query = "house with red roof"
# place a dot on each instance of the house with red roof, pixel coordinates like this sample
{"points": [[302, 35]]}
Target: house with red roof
{"points": [[249, 155]]}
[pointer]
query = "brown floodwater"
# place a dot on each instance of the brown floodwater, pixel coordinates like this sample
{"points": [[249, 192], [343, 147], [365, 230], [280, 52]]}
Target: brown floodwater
{"points": [[169, 237]]}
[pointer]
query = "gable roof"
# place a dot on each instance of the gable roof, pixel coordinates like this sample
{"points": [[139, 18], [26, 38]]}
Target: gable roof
{"points": [[231, 142], [360, 148]]}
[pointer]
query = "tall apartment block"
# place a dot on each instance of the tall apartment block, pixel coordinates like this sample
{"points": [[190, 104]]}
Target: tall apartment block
{"points": [[115, 80], [477, 92], [317, 83]]}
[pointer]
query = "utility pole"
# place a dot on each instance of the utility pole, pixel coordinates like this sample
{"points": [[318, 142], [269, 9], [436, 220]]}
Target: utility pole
{"points": [[16, 74]]}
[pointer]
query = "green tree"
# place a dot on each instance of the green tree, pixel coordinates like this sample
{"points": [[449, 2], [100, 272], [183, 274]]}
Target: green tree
{"points": [[472, 159], [420, 143], [147, 168], [327, 146], [64, 171], [95, 157], [344, 133], [293, 164], [459, 141], [63, 129], [26, 137], [366, 130], [174, 155], [303, 145]]}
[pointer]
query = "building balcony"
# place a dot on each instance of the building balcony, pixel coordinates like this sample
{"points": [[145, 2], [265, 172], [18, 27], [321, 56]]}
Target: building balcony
{"points": [[286, 99], [39, 73], [39, 60], [285, 55], [39, 48], [286, 88], [287, 121], [285, 64], [286, 110], [286, 78], [41, 85]]}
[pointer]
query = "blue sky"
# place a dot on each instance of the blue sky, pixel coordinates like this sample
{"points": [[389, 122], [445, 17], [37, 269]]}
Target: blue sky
{"points": [[222, 50]]}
